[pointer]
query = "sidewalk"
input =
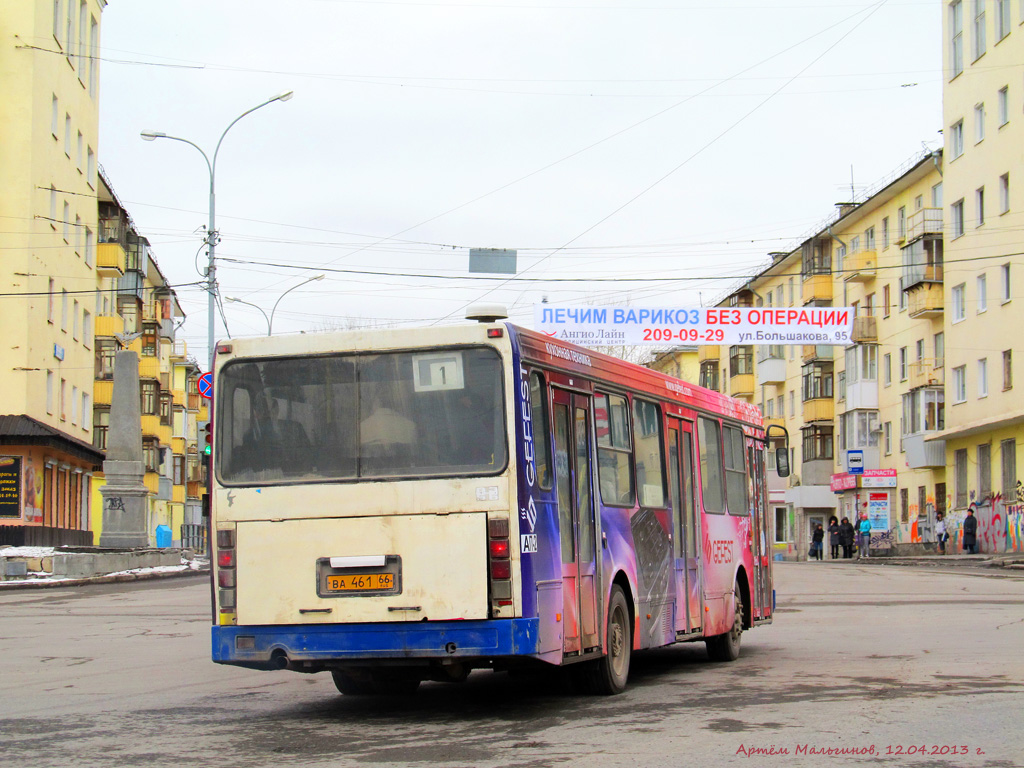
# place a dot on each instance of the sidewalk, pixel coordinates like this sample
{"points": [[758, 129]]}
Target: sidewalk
{"points": [[48, 567], [1009, 560]]}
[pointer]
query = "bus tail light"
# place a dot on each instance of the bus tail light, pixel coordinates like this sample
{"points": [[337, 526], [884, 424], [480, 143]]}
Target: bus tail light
{"points": [[499, 553], [226, 575]]}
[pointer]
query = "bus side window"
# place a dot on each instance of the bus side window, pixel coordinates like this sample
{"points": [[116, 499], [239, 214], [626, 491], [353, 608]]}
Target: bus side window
{"points": [[711, 480], [735, 471], [541, 430], [614, 453], [650, 453]]}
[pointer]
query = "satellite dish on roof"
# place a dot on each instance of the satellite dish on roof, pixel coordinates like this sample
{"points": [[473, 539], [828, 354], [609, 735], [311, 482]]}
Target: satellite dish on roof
{"points": [[487, 313]]}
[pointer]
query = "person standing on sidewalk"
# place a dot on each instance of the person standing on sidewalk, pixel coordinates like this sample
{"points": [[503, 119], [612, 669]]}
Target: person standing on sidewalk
{"points": [[940, 532], [833, 537], [817, 542], [971, 533], [865, 537], [846, 537]]}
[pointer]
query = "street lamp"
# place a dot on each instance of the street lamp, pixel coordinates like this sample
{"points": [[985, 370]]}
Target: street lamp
{"points": [[270, 323], [211, 232], [234, 300]]}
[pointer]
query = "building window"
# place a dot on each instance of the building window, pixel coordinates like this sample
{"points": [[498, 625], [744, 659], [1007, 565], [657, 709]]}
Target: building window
{"points": [[165, 408], [903, 363], [957, 218], [64, 310], [982, 294], [904, 506], [56, 20], [94, 52], [741, 360], [960, 384], [1008, 460], [956, 139], [1007, 369], [886, 298], [901, 223], [90, 171], [937, 195], [149, 339], [1002, 19], [90, 246], [817, 442], [151, 455], [49, 392], [885, 233], [1004, 105], [956, 35], [1004, 193], [979, 123], [67, 135], [817, 380], [74, 405], [979, 202], [960, 472], [709, 374], [887, 369], [74, 320], [66, 224], [887, 432], [1004, 275], [939, 344], [924, 410], [978, 42], [106, 349], [940, 497], [150, 400], [984, 471], [959, 303], [902, 297], [100, 427], [63, 404]]}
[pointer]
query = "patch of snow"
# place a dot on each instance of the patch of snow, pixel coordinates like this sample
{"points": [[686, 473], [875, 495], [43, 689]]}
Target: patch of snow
{"points": [[26, 552]]}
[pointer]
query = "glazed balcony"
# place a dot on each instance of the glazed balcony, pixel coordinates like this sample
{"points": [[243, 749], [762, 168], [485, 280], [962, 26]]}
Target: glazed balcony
{"points": [[103, 392], [108, 325]]}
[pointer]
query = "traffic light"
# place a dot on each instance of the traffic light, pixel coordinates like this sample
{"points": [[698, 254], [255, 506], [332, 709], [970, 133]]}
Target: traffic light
{"points": [[206, 437]]}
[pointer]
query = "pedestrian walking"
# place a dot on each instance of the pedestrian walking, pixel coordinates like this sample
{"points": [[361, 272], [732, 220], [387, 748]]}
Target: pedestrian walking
{"points": [[817, 542], [846, 537], [833, 537], [940, 532], [971, 533], [865, 537]]}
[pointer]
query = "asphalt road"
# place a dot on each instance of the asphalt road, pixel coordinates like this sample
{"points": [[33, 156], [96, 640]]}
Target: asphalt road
{"points": [[920, 664]]}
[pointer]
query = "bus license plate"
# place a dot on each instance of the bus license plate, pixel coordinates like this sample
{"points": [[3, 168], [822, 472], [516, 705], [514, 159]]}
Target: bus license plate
{"points": [[360, 582]]}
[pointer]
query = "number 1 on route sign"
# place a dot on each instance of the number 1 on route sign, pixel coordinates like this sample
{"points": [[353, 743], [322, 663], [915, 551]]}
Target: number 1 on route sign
{"points": [[206, 385]]}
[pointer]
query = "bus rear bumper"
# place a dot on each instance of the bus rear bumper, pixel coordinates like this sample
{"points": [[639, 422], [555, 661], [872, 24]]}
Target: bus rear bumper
{"points": [[275, 647]]}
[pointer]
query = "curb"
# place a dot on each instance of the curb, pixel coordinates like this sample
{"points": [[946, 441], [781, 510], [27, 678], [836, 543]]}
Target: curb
{"points": [[110, 578]]}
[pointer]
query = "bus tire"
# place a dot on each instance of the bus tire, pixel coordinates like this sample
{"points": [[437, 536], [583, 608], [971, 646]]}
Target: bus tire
{"points": [[608, 675], [368, 683], [726, 647]]}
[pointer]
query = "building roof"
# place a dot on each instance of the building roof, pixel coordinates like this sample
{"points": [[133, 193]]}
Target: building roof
{"points": [[24, 430]]}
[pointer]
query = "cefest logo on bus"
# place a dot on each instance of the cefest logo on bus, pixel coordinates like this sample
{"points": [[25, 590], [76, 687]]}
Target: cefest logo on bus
{"points": [[528, 541]]}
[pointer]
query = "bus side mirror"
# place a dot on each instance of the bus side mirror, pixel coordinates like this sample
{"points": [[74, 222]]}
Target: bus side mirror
{"points": [[782, 462]]}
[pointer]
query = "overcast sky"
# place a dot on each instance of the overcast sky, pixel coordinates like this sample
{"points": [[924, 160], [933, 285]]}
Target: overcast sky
{"points": [[608, 141]]}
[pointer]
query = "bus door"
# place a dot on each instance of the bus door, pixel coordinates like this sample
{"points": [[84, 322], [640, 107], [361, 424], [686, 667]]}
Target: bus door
{"points": [[762, 575], [576, 521], [685, 522]]}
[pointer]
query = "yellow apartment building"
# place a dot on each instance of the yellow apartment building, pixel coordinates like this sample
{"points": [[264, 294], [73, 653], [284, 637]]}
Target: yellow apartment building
{"points": [[49, 269], [983, 123], [680, 362], [139, 311]]}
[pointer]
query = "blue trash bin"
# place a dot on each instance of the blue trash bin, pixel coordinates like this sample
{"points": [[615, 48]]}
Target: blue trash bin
{"points": [[163, 536]]}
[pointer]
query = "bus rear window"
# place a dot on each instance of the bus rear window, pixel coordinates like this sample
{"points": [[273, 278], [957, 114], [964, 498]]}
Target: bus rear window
{"points": [[342, 417]]}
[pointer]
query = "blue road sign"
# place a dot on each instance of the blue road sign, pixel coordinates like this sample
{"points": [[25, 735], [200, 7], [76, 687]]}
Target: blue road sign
{"points": [[206, 385]]}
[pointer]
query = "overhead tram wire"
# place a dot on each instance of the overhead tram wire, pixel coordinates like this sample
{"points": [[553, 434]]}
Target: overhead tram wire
{"points": [[699, 151], [608, 138]]}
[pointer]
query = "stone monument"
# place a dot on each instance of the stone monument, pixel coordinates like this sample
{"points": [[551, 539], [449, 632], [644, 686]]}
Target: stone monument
{"points": [[124, 495]]}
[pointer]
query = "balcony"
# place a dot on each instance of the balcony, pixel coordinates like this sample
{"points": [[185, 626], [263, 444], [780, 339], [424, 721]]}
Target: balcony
{"points": [[178, 494], [152, 482], [817, 288], [775, 422], [166, 329], [865, 330], [771, 370], [927, 221], [178, 446], [708, 352], [925, 300], [741, 385], [102, 392], [819, 409], [149, 367], [194, 401], [193, 489], [817, 352], [151, 427], [179, 397], [110, 260], [109, 325], [927, 373], [922, 454], [860, 267], [862, 394]]}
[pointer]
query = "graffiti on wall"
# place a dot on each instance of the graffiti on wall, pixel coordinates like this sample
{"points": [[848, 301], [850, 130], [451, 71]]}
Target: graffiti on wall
{"points": [[1000, 523]]}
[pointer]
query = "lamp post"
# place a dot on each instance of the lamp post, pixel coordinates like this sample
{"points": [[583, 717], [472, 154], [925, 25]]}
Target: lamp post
{"points": [[211, 232], [270, 323], [270, 320]]}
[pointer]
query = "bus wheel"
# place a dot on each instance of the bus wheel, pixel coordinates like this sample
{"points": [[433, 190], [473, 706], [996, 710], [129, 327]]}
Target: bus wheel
{"points": [[369, 683], [727, 647], [608, 675]]}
